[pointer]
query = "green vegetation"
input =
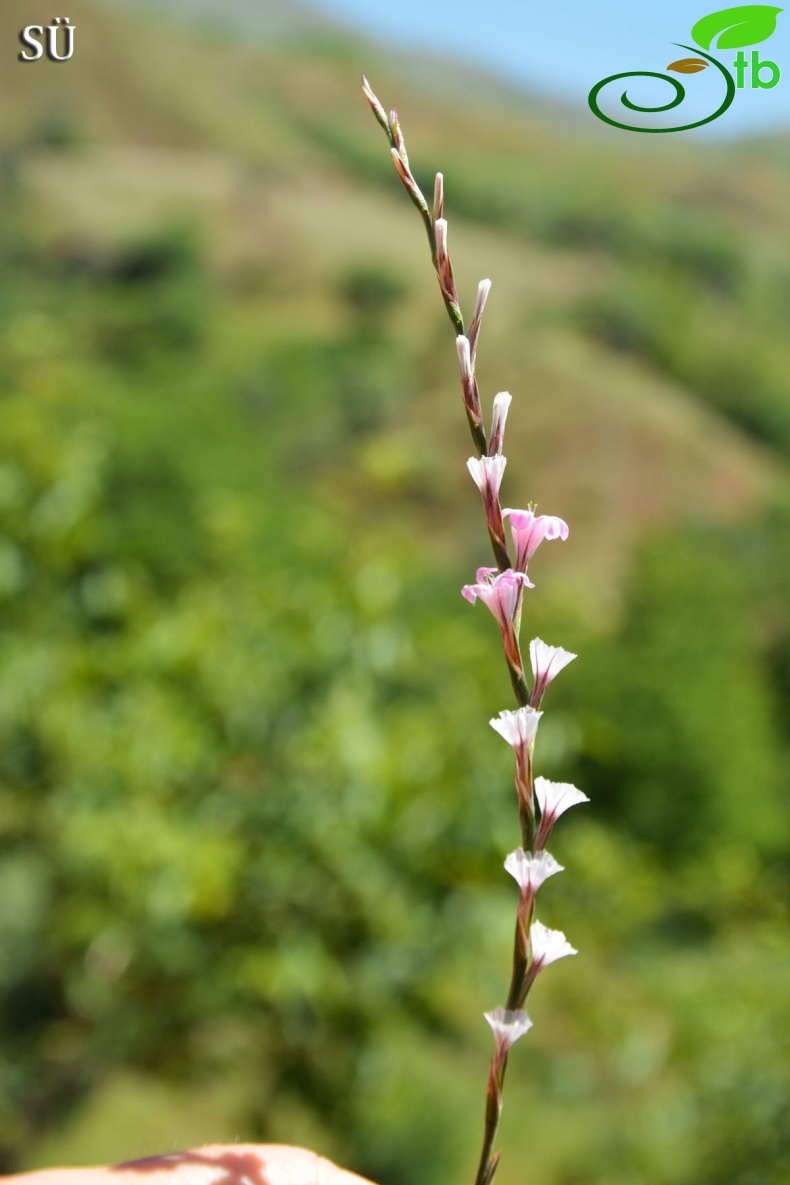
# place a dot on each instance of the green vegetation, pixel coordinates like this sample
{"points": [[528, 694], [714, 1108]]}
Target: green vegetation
{"points": [[252, 818]]}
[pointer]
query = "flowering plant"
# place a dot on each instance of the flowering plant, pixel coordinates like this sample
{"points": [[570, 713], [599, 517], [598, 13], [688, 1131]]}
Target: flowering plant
{"points": [[501, 589]]}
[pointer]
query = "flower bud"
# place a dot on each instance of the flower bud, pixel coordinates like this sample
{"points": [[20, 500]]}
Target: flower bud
{"points": [[376, 106], [483, 289], [499, 419], [438, 197]]}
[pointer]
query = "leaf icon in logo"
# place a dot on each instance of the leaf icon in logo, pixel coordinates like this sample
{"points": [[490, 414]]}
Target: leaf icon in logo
{"points": [[735, 27], [688, 65]]}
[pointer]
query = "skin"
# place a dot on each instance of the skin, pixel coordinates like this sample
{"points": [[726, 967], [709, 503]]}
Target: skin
{"points": [[217, 1164]]}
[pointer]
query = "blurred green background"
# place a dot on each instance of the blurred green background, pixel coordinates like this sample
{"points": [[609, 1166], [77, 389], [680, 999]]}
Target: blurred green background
{"points": [[252, 816]]}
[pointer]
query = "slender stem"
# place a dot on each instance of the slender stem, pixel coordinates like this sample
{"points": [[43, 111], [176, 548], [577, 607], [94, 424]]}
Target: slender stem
{"points": [[496, 1079], [519, 682], [520, 977], [525, 793]]}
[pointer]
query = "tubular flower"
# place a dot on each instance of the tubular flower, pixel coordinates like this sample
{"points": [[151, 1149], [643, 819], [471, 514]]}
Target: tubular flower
{"points": [[531, 869], [517, 728], [554, 798], [547, 662], [507, 1026], [547, 946], [529, 530], [499, 592], [487, 473]]}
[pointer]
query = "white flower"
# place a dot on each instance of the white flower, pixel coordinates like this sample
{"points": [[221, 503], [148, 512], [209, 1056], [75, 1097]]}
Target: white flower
{"points": [[507, 1027], [547, 946], [554, 798], [531, 869], [487, 473], [518, 728], [547, 662]]}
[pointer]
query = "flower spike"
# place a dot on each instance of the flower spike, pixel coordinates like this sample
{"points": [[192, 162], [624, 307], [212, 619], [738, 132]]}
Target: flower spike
{"points": [[501, 589]]}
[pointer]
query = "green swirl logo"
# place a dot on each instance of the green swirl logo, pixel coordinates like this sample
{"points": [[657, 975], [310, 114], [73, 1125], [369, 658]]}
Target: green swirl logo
{"points": [[730, 28]]}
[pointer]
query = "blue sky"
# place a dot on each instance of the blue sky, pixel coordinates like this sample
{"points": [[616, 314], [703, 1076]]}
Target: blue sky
{"points": [[564, 46]]}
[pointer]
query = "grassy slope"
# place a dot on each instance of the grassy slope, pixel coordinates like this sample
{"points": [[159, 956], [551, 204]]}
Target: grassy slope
{"points": [[273, 150], [276, 155]]}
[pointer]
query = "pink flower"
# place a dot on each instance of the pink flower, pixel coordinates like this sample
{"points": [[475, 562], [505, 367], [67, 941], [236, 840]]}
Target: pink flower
{"points": [[507, 1026], [531, 869], [547, 662], [499, 592], [554, 798], [529, 531], [547, 946], [518, 728]]}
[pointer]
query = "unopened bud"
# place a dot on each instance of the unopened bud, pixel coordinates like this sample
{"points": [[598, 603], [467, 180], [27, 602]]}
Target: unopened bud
{"points": [[402, 169], [438, 197], [498, 421], [464, 357], [376, 106], [468, 381], [440, 226], [397, 136], [493, 1164], [483, 289], [444, 268]]}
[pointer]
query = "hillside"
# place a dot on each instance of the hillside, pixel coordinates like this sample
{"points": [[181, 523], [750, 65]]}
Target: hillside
{"points": [[252, 816], [272, 151]]}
